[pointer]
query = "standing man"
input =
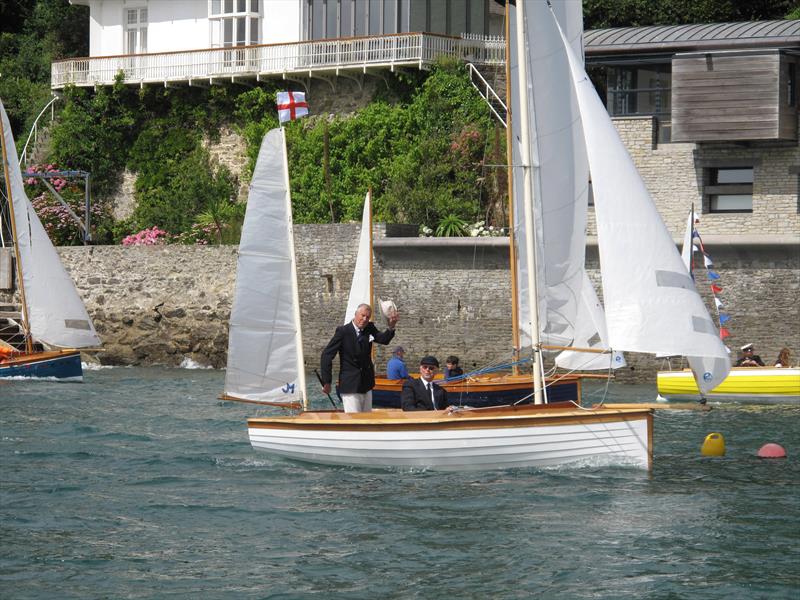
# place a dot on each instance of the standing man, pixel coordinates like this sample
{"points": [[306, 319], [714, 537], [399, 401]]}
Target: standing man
{"points": [[396, 367], [422, 393], [353, 343]]}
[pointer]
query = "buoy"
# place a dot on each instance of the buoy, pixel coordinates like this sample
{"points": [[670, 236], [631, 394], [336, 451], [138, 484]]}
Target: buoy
{"points": [[771, 451], [713, 445]]}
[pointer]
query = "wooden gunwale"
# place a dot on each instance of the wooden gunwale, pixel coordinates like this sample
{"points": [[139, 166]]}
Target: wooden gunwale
{"points": [[38, 356], [471, 419]]}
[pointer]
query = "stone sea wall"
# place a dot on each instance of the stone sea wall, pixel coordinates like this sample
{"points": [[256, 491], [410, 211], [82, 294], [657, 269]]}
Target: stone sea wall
{"points": [[160, 305]]}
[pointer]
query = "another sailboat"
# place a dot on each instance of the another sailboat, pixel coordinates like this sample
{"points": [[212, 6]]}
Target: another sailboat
{"points": [[748, 384], [53, 319]]}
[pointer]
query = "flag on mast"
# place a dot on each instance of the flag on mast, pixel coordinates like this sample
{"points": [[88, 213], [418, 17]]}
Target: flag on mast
{"points": [[291, 105]]}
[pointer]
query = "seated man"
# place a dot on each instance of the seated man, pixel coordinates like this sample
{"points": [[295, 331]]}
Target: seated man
{"points": [[451, 368], [748, 358], [422, 393], [396, 367]]}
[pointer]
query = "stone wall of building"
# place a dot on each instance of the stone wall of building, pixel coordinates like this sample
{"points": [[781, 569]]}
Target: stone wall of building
{"points": [[674, 175], [163, 304]]}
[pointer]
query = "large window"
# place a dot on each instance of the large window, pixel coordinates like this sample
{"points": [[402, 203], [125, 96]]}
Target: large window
{"points": [[730, 190], [633, 90], [135, 31], [234, 23]]}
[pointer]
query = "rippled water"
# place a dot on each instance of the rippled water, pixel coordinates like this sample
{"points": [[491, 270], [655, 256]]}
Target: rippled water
{"points": [[139, 483]]}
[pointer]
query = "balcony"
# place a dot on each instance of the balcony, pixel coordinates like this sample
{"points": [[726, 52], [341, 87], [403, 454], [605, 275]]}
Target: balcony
{"points": [[297, 60]]}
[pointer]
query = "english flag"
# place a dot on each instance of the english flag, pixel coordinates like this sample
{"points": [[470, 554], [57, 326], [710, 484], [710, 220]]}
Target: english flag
{"points": [[291, 105]]}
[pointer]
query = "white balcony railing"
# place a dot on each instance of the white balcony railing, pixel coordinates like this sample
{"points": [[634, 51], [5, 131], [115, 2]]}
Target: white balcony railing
{"points": [[303, 58]]}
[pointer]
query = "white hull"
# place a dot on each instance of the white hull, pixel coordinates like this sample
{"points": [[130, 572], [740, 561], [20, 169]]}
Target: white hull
{"points": [[451, 443]]}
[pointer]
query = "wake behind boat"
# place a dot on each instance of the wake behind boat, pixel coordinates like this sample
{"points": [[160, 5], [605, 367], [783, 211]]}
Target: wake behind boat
{"points": [[53, 320]]}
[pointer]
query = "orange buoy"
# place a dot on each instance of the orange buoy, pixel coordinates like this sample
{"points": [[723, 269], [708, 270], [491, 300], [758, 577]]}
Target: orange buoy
{"points": [[713, 445], [771, 451]]}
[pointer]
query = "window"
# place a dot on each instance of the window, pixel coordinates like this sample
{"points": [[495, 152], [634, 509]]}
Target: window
{"points": [[135, 31], [235, 22], [730, 190], [641, 90]]}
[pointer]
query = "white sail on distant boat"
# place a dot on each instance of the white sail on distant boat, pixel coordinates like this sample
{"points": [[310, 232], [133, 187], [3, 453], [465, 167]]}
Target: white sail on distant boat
{"points": [[495, 437], [749, 384], [361, 286], [54, 320]]}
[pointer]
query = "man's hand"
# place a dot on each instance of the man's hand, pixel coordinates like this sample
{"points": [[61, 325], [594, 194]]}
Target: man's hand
{"points": [[392, 320], [326, 388]]}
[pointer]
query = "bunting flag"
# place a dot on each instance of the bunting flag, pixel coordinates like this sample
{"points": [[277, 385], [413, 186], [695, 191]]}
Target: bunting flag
{"points": [[291, 106], [713, 276]]}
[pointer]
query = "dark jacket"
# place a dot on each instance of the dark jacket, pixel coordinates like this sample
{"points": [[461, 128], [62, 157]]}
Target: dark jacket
{"points": [[415, 397], [356, 371]]}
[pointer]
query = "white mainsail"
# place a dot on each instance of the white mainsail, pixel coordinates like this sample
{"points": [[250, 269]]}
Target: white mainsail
{"points": [[56, 314], [361, 287], [650, 300], [265, 351], [560, 172]]}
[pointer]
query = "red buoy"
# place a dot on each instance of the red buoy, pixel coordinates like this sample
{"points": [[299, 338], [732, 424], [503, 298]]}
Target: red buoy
{"points": [[771, 451]]}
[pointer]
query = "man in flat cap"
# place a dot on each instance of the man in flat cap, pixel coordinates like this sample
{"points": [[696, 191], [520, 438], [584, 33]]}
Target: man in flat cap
{"points": [[749, 359], [423, 393]]}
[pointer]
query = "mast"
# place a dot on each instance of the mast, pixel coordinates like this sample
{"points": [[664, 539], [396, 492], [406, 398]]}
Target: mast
{"points": [[18, 261], [512, 250], [528, 199], [301, 369]]}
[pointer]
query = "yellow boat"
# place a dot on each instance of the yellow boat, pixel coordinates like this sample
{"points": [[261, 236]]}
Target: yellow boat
{"points": [[757, 384]]}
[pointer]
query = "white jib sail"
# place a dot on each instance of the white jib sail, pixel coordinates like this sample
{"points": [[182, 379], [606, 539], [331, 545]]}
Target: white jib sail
{"points": [[265, 351], [56, 314], [560, 172], [590, 332], [650, 300], [360, 288]]}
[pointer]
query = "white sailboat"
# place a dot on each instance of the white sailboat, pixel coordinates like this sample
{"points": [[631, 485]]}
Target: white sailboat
{"points": [[749, 384], [53, 320], [496, 437]]}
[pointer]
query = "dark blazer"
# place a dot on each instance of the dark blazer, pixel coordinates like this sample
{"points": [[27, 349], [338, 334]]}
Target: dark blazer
{"points": [[356, 371], [415, 397]]}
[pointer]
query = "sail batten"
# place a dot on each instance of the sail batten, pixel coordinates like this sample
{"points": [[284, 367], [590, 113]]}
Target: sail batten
{"points": [[56, 314]]}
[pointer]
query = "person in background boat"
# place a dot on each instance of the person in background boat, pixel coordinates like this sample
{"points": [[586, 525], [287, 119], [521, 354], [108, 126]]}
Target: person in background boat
{"points": [[423, 393], [353, 343], [749, 359], [396, 367], [784, 358], [451, 368]]}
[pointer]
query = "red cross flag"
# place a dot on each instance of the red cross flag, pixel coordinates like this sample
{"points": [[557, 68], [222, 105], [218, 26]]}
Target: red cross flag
{"points": [[291, 105]]}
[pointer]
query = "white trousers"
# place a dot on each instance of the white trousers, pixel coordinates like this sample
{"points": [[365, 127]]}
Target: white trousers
{"points": [[357, 402]]}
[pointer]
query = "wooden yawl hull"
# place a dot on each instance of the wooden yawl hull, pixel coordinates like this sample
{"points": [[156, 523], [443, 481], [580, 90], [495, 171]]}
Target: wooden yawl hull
{"points": [[63, 365], [496, 438], [485, 390], [761, 384]]}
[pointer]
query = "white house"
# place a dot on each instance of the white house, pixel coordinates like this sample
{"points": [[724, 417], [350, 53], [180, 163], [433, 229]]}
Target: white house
{"points": [[153, 26]]}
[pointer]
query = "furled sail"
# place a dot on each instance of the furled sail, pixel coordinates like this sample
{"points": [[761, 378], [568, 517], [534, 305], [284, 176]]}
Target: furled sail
{"points": [[265, 352], [57, 316], [650, 300], [361, 287], [560, 173]]}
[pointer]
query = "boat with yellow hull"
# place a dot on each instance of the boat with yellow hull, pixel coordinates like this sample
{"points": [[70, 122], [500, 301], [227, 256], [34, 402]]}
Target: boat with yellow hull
{"points": [[759, 384]]}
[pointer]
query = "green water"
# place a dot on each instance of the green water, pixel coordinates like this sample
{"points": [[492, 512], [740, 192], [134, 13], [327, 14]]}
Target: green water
{"points": [[139, 483]]}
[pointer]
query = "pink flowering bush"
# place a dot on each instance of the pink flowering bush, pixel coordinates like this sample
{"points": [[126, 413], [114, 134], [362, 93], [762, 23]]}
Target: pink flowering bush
{"points": [[147, 237]]}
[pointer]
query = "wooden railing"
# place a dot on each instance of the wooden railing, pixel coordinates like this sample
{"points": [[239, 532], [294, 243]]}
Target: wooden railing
{"points": [[418, 50]]}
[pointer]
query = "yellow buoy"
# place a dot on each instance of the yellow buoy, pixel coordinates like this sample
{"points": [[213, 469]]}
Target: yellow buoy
{"points": [[713, 445]]}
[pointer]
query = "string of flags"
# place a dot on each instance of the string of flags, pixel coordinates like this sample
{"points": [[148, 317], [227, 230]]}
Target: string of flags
{"points": [[713, 278], [291, 106]]}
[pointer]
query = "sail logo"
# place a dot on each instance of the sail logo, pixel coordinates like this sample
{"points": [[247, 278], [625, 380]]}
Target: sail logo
{"points": [[707, 376], [288, 388]]}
